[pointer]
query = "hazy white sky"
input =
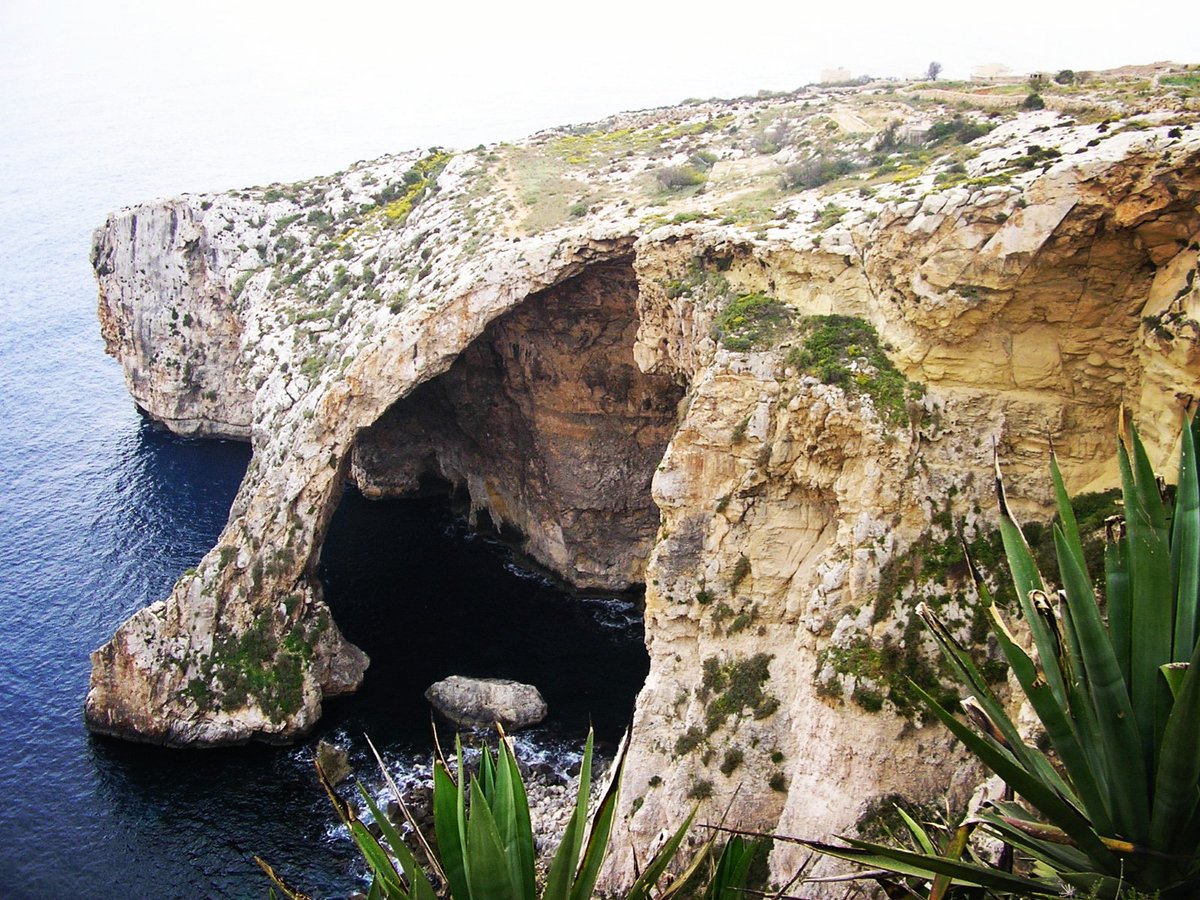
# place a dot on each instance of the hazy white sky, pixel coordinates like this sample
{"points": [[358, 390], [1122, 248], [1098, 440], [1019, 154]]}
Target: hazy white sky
{"points": [[356, 79]]}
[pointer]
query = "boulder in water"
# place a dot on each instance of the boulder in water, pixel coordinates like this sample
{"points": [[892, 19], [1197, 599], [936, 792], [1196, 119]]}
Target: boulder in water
{"points": [[334, 761], [481, 702]]}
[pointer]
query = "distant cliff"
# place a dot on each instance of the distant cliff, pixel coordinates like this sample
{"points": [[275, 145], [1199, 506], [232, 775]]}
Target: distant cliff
{"points": [[756, 355]]}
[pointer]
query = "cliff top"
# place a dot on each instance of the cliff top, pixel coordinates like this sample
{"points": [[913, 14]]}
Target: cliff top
{"points": [[808, 167]]}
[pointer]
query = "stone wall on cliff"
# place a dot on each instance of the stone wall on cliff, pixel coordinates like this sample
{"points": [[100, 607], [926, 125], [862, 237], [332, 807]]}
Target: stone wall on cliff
{"points": [[622, 342]]}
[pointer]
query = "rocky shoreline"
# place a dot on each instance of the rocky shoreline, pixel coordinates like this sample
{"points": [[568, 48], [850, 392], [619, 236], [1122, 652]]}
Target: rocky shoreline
{"points": [[551, 785], [757, 354]]}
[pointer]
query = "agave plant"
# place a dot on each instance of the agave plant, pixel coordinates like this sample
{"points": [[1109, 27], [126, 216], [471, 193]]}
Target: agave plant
{"points": [[1116, 806], [485, 842], [488, 850]]}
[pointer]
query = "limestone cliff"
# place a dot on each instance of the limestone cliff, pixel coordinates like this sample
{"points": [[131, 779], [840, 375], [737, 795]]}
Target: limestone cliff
{"points": [[755, 354]]}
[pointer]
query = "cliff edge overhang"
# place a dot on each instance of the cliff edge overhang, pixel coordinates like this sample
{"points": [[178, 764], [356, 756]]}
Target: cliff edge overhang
{"points": [[754, 354]]}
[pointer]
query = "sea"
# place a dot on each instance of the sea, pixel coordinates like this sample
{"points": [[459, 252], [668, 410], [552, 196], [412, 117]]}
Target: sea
{"points": [[100, 512]]}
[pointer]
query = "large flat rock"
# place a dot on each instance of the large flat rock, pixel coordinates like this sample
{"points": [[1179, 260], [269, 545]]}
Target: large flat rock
{"points": [[482, 702]]}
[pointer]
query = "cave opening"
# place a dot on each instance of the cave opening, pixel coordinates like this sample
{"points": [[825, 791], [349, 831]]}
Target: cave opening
{"points": [[498, 519]]}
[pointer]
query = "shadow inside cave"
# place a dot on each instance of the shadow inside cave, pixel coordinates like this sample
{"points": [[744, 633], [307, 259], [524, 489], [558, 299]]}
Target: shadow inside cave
{"points": [[542, 439]]}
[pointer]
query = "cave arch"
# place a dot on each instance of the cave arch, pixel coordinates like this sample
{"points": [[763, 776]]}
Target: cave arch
{"points": [[547, 426]]}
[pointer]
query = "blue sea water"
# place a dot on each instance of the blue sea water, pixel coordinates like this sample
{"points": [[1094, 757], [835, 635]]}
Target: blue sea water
{"points": [[99, 513]]}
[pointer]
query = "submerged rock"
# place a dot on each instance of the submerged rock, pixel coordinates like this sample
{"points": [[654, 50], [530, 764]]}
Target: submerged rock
{"points": [[481, 702]]}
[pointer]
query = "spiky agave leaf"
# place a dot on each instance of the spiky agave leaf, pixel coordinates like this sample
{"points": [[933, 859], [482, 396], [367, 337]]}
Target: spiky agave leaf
{"points": [[566, 858], [430, 857], [419, 886], [450, 824], [922, 865]]}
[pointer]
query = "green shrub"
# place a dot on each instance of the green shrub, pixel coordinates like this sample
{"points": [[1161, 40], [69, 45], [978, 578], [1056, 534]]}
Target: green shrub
{"points": [[962, 130], [741, 569], [737, 686], [731, 760], [831, 214], [688, 741], [752, 322], [845, 351], [815, 172], [1035, 156], [675, 177], [1033, 101]]}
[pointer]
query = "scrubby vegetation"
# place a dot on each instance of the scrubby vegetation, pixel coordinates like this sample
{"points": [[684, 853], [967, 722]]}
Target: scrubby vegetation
{"points": [[398, 200], [846, 351], [752, 322], [815, 172], [729, 688], [257, 667]]}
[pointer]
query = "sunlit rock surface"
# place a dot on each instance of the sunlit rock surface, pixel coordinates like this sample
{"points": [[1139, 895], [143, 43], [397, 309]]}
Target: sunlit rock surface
{"points": [[566, 330]]}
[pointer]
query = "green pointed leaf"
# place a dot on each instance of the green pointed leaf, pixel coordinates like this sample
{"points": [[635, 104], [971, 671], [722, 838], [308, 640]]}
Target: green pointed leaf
{"points": [[1151, 641], [904, 862], [682, 883], [378, 861], [1127, 779], [1174, 673], [1058, 856], [957, 846], [1116, 588], [962, 663], [1176, 791], [1059, 728], [564, 864], [1066, 513], [1042, 797], [511, 810], [418, 881], [430, 856], [460, 811], [450, 830], [918, 832], [597, 842], [1185, 548], [490, 874], [487, 772], [733, 867], [1027, 579], [658, 863], [566, 858]]}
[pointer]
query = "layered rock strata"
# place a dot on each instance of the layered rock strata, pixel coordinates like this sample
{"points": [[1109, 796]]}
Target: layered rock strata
{"points": [[777, 407]]}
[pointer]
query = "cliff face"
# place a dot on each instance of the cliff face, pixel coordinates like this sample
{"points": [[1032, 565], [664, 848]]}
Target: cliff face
{"points": [[547, 422], [649, 362]]}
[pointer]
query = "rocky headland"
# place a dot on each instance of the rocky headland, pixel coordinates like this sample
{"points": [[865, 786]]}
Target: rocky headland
{"points": [[756, 355]]}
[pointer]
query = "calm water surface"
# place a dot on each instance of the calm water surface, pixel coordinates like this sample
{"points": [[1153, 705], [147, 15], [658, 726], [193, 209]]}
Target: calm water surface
{"points": [[100, 514]]}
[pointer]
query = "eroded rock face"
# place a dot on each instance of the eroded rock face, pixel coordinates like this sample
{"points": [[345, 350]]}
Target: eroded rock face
{"points": [[549, 425], [556, 361], [171, 320]]}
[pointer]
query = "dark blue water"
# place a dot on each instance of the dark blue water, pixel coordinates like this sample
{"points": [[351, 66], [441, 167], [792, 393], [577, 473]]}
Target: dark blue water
{"points": [[99, 514]]}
